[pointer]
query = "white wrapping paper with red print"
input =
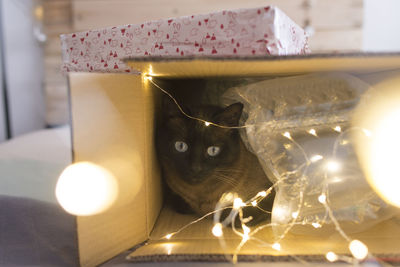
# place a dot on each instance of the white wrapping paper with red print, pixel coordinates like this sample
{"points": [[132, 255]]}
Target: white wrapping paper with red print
{"points": [[243, 32]]}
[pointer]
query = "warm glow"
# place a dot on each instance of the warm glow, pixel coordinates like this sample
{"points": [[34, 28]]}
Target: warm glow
{"points": [[280, 214], [217, 230], [86, 189], [287, 135], [316, 225], [254, 203], [378, 142], [246, 230], [206, 123], [276, 246], [335, 180], [245, 237], [337, 129], [168, 236], [168, 248], [358, 249], [384, 158], [295, 214], [38, 12], [262, 194], [312, 132], [316, 158], [238, 203], [331, 256], [367, 132], [332, 166], [322, 198]]}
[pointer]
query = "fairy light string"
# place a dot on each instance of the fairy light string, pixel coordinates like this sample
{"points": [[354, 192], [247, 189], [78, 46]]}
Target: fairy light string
{"points": [[357, 248]]}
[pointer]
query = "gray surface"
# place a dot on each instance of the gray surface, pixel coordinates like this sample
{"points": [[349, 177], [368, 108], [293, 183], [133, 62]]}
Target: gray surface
{"points": [[36, 233]]}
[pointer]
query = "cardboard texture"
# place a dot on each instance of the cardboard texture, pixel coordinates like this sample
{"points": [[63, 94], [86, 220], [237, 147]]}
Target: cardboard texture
{"points": [[112, 124], [112, 128], [198, 241]]}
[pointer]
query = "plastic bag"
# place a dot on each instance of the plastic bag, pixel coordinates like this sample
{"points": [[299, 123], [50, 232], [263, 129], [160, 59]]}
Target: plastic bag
{"points": [[299, 128]]}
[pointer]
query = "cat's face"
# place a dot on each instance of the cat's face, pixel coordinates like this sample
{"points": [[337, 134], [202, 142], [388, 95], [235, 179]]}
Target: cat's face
{"points": [[194, 149]]}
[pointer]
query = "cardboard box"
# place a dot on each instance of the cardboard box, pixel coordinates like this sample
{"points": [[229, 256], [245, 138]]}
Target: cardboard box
{"points": [[113, 126]]}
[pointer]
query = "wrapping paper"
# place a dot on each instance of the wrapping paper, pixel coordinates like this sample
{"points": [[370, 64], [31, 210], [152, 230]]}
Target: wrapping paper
{"points": [[243, 32]]}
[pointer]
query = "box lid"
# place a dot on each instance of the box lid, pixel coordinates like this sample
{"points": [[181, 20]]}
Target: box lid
{"points": [[245, 32]]}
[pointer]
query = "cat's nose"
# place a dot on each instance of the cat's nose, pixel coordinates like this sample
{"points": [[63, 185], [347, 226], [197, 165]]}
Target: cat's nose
{"points": [[196, 167]]}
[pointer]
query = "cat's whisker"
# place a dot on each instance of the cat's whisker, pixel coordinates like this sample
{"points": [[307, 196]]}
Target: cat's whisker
{"points": [[228, 171], [226, 179]]}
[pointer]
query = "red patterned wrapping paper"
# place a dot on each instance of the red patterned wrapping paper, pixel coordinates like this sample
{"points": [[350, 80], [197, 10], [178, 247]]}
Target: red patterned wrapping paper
{"points": [[243, 32]]}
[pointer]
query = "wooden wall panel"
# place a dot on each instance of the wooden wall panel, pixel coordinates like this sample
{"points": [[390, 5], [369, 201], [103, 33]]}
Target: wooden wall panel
{"points": [[88, 14], [57, 20], [336, 40], [336, 15]]}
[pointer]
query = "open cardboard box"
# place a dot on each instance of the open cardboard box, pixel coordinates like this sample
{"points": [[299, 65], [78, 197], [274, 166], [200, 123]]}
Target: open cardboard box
{"points": [[113, 118]]}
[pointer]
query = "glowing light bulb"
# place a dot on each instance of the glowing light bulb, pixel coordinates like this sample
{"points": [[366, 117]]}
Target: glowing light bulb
{"points": [[384, 159], [312, 132], [148, 77], [337, 129], [358, 249], [316, 158], [169, 247], [168, 236], [316, 225], [287, 135], [276, 246], [295, 214], [335, 180], [279, 213], [238, 203], [367, 132], [332, 166], [245, 237], [322, 198], [85, 189], [217, 230], [254, 203], [262, 194], [206, 123], [331, 256], [227, 197]]}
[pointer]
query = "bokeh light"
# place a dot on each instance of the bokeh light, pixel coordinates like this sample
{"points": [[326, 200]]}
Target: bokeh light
{"points": [[85, 189]]}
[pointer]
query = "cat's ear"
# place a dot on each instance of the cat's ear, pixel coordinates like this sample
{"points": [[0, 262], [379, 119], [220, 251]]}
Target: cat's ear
{"points": [[170, 108], [230, 116]]}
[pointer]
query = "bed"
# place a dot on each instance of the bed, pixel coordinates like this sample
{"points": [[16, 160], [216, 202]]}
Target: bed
{"points": [[34, 229]]}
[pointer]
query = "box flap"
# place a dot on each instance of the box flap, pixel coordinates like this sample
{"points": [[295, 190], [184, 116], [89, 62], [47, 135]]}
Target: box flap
{"points": [[272, 65], [197, 242], [112, 126]]}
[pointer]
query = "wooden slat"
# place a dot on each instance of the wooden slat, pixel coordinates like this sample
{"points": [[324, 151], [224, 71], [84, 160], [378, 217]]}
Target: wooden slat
{"points": [[90, 14], [338, 14], [334, 40], [53, 46], [57, 16]]}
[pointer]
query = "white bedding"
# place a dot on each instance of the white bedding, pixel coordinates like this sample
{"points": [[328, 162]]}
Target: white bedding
{"points": [[30, 164]]}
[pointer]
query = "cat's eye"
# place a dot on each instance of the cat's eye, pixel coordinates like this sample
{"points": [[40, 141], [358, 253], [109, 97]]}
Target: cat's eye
{"points": [[213, 151], [181, 146]]}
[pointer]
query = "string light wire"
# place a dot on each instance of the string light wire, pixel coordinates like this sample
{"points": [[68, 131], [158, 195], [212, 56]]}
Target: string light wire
{"points": [[237, 208]]}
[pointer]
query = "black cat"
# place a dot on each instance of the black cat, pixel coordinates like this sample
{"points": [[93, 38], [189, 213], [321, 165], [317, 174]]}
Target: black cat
{"points": [[202, 162]]}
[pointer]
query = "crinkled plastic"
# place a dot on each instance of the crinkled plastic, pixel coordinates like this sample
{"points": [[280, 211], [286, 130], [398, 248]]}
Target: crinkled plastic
{"points": [[299, 128]]}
